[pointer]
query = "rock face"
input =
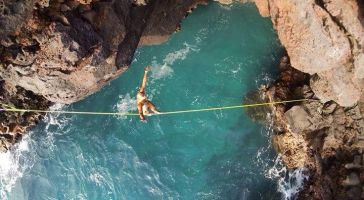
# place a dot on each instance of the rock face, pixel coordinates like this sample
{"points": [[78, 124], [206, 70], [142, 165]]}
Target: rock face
{"points": [[64, 50], [325, 138], [61, 51], [14, 125], [323, 38]]}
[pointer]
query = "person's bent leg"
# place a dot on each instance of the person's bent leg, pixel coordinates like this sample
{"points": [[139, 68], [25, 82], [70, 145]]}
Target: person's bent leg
{"points": [[145, 110], [140, 111], [152, 107]]}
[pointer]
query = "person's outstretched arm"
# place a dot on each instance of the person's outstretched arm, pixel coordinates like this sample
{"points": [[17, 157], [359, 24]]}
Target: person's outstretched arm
{"points": [[144, 83]]}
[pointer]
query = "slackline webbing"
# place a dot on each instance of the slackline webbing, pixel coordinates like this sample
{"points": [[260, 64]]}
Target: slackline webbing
{"points": [[8, 108]]}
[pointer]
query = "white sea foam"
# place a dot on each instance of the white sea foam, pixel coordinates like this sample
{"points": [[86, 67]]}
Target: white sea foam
{"points": [[125, 104], [97, 178], [264, 79], [21, 157], [165, 70], [290, 182], [12, 166]]}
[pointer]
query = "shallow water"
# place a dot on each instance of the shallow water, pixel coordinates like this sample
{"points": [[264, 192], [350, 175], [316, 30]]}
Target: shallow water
{"points": [[221, 54]]}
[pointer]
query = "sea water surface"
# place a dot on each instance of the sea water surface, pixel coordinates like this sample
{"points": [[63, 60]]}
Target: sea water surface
{"points": [[221, 54]]}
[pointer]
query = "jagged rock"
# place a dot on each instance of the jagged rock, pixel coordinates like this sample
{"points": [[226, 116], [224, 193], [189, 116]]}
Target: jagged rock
{"points": [[140, 2], [354, 193], [328, 109], [351, 180], [263, 7], [353, 166], [257, 114], [354, 113], [293, 149], [307, 92], [297, 119], [225, 1], [347, 13], [359, 67], [84, 1], [360, 144], [13, 14], [336, 84], [322, 38], [76, 58], [357, 159]]}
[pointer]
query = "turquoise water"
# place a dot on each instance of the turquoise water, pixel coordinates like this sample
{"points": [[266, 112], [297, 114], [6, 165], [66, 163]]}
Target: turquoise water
{"points": [[221, 54]]}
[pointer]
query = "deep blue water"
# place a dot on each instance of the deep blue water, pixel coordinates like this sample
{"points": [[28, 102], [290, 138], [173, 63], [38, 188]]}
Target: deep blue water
{"points": [[221, 54]]}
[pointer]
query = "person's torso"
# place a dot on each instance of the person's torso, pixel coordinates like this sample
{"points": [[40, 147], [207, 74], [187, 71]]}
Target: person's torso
{"points": [[141, 98]]}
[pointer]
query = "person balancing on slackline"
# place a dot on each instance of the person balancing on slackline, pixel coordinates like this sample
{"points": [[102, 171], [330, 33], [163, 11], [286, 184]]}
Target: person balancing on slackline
{"points": [[143, 103]]}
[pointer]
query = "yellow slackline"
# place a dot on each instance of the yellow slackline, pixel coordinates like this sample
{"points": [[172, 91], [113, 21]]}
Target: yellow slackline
{"points": [[8, 108]]}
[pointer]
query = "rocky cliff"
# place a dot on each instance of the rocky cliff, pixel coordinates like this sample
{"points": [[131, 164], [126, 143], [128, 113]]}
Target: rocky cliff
{"points": [[65, 50], [324, 41], [60, 51]]}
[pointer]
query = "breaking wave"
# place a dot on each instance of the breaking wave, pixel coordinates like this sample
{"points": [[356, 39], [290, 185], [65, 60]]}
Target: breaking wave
{"points": [[290, 182], [21, 157], [13, 165]]}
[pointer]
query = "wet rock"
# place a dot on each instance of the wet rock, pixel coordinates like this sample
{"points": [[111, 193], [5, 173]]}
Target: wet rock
{"points": [[354, 193], [351, 180], [357, 160], [258, 114]]}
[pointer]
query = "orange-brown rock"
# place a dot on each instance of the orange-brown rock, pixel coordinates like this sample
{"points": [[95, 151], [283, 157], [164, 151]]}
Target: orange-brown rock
{"points": [[71, 52], [323, 38]]}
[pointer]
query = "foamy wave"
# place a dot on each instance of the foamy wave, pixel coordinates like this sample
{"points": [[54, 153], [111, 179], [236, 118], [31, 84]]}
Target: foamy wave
{"points": [[290, 182], [125, 104], [21, 157], [13, 165], [264, 79], [97, 178], [164, 70], [161, 71]]}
